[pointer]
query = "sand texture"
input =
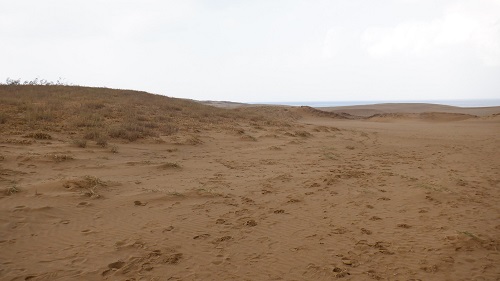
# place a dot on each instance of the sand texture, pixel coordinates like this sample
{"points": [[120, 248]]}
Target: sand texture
{"points": [[251, 193]]}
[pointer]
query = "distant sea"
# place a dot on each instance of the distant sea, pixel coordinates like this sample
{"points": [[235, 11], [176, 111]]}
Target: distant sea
{"points": [[460, 103]]}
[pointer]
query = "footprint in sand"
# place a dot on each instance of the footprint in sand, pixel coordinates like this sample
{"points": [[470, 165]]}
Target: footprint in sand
{"points": [[340, 272], [250, 223], [84, 204], [223, 238], [87, 231], [79, 261], [404, 225], [139, 203], [366, 231], [201, 236], [339, 230], [168, 228], [116, 265]]}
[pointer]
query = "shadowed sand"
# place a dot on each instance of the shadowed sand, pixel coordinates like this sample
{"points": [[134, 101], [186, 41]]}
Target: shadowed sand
{"points": [[247, 193]]}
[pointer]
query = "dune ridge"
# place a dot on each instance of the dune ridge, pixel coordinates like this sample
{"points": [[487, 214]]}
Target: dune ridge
{"points": [[384, 108]]}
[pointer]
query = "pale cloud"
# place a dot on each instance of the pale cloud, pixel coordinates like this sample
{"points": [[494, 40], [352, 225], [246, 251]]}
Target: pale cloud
{"points": [[259, 50], [141, 18], [466, 24], [334, 42]]}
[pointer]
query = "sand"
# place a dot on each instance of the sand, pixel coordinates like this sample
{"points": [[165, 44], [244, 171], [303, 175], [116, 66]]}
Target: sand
{"points": [[368, 110], [318, 199]]}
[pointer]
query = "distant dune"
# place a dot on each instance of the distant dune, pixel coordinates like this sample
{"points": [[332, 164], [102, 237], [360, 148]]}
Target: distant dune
{"points": [[378, 110], [224, 104], [369, 110]]}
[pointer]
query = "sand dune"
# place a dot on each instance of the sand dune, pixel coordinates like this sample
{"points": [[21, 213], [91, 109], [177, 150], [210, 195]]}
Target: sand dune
{"points": [[373, 109], [257, 193], [425, 116]]}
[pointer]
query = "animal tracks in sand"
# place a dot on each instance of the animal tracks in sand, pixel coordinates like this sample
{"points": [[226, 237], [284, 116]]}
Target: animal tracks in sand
{"points": [[317, 199]]}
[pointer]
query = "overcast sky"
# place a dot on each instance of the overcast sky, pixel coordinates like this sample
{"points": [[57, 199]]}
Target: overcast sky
{"points": [[255, 50]]}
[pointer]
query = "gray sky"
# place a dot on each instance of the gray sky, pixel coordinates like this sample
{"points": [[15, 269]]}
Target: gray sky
{"points": [[256, 50]]}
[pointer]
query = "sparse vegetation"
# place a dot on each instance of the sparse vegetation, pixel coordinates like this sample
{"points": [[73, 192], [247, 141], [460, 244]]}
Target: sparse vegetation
{"points": [[169, 165], [303, 134], [331, 155], [89, 184], [92, 188], [95, 113], [18, 141], [37, 81], [102, 141], [95, 105], [12, 190], [89, 120], [209, 192], [470, 235], [80, 143], [58, 157], [39, 136], [176, 193], [432, 187], [248, 137], [3, 118], [93, 134]]}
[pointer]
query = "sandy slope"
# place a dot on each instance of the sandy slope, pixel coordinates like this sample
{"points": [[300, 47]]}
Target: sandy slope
{"points": [[320, 199]]}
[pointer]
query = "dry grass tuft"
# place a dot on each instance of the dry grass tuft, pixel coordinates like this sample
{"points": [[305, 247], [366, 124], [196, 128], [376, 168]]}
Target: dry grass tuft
{"points": [[3, 118], [176, 193], [102, 141], [169, 165], [95, 105], [194, 140], [11, 190], [93, 134], [80, 143], [39, 136], [208, 192], [246, 137], [60, 157], [89, 184], [17, 141], [303, 134], [89, 120]]}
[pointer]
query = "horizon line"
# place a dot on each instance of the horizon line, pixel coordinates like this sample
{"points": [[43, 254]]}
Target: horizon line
{"points": [[449, 102]]}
